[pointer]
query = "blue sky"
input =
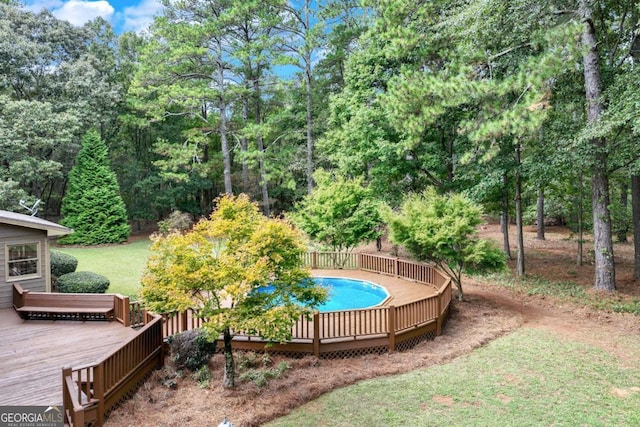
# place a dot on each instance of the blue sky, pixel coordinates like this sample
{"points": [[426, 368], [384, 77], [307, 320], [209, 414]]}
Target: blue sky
{"points": [[124, 15]]}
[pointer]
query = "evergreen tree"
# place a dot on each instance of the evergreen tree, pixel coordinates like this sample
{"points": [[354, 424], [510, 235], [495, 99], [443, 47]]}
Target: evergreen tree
{"points": [[93, 206]]}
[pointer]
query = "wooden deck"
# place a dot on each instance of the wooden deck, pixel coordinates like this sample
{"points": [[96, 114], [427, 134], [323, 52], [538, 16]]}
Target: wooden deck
{"points": [[45, 346], [402, 291]]}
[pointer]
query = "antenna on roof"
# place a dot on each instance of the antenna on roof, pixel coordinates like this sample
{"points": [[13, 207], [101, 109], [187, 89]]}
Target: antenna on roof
{"points": [[33, 209]]}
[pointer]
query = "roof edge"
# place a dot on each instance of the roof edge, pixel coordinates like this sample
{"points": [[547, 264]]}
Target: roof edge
{"points": [[21, 220]]}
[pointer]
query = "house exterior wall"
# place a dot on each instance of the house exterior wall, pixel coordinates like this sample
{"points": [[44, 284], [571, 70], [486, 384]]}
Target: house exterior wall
{"points": [[11, 235]]}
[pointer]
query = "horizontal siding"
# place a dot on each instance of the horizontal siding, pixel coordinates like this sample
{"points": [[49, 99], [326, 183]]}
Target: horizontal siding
{"points": [[10, 234], [5, 298]]}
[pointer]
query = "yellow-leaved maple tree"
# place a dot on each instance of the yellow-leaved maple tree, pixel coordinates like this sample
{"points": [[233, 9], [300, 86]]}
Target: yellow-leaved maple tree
{"points": [[240, 271]]}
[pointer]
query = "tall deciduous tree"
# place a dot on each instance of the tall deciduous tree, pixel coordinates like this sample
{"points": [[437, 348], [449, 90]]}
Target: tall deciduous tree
{"points": [[35, 140], [219, 268], [55, 82], [93, 207]]}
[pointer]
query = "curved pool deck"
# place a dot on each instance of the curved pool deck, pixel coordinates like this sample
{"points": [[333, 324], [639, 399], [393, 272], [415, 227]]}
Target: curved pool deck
{"points": [[402, 291]]}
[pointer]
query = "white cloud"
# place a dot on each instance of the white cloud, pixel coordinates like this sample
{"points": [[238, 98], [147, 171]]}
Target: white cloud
{"points": [[138, 18], [38, 5], [130, 18], [79, 12]]}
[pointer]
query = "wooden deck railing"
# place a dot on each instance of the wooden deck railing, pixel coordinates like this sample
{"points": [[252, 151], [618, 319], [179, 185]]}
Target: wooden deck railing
{"points": [[180, 321], [319, 334], [378, 264], [352, 323], [121, 309], [331, 260], [90, 392], [136, 314]]}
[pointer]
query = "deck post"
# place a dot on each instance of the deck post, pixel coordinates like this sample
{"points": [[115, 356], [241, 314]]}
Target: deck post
{"points": [[98, 391], [183, 320], [396, 270], [392, 328], [72, 415], [19, 295], [126, 311], [67, 405], [316, 334], [438, 313], [314, 260], [163, 351]]}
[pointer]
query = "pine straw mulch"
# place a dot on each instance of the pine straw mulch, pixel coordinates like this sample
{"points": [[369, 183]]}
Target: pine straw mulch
{"points": [[486, 313], [473, 322]]}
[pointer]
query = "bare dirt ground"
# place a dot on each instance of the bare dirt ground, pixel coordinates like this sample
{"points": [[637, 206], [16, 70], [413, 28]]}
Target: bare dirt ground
{"points": [[486, 313]]}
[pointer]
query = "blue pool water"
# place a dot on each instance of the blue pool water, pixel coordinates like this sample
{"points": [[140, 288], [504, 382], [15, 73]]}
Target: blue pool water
{"points": [[348, 294]]}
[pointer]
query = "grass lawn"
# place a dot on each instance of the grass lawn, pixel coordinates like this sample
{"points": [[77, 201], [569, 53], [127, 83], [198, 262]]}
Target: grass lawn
{"points": [[527, 378], [121, 264]]}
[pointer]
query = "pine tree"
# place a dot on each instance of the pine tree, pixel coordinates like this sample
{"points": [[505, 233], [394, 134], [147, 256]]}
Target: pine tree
{"points": [[93, 207]]}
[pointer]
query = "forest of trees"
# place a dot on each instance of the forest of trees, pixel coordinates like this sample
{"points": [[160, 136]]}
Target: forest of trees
{"points": [[530, 108]]}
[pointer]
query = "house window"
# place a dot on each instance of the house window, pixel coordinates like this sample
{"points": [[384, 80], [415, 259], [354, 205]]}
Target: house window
{"points": [[22, 260]]}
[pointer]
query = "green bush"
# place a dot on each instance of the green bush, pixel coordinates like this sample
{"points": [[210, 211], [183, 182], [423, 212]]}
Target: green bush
{"points": [[176, 221], [260, 377], [203, 376], [191, 350], [62, 263], [82, 282]]}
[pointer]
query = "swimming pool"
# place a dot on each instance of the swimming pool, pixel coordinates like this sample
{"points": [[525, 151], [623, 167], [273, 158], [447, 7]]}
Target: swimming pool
{"points": [[348, 294]]}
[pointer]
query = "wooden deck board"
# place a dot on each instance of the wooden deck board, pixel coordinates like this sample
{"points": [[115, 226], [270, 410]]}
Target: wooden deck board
{"points": [[45, 346], [402, 291]]}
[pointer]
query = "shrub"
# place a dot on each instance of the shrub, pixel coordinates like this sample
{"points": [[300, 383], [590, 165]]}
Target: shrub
{"points": [[62, 263], [341, 213], [82, 282], [92, 206], [191, 350], [250, 359], [442, 229], [203, 376], [260, 377], [177, 220]]}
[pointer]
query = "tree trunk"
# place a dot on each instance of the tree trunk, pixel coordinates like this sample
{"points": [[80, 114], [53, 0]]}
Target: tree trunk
{"points": [[229, 363], [504, 217], [226, 154], [263, 178], [540, 215], [579, 260], [244, 147], [519, 236], [605, 278], [635, 208], [260, 142], [624, 204], [310, 142]]}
